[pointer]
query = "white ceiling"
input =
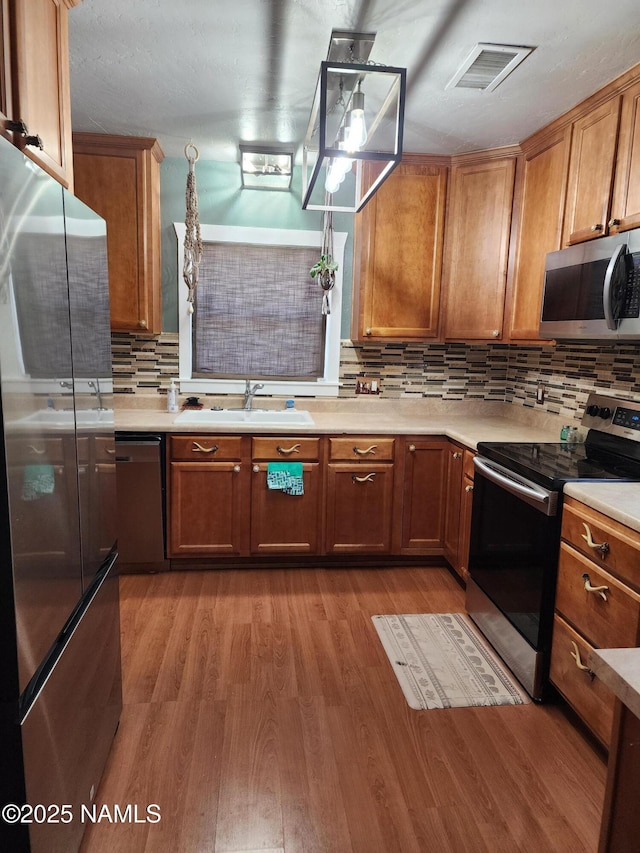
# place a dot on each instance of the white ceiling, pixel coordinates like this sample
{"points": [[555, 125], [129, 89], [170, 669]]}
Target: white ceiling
{"points": [[218, 72]]}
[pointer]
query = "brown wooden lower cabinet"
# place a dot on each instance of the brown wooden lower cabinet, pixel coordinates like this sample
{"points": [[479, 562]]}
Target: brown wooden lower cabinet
{"points": [[359, 508], [423, 496], [587, 695], [362, 495], [283, 523], [208, 509]]}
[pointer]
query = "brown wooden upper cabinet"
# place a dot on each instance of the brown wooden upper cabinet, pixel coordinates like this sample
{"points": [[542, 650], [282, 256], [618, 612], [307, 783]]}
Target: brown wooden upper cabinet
{"points": [[625, 208], [119, 177], [34, 82], [593, 155], [540, 215], [398, 254], [477, 245], [5, 68]]}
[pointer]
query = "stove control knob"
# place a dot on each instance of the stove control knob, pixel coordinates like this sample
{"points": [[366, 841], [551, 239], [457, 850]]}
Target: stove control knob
{"points": [[593, 410], [605, 412]]}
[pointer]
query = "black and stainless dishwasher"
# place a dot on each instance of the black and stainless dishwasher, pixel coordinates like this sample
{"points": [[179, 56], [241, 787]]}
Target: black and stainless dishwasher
{"points": [[141, 519]]}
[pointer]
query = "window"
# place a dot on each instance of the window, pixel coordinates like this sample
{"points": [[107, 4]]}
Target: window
{"points": [[258, 313]]}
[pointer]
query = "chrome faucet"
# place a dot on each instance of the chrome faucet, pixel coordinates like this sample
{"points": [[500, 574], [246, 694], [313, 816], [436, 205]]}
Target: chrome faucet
{"points": [[250, 393], [96, 387]]}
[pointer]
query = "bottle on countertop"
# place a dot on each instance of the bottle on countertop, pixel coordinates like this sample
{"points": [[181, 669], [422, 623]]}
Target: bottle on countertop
{"points": [[172, 397]]}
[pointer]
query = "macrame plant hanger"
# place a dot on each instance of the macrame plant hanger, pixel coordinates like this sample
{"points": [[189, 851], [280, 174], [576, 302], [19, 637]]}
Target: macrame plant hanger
{"points": [[192, 239], [327, 278]]}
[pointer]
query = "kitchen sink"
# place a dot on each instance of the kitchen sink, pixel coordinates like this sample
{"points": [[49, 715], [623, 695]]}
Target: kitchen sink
{"points": [[244, 417], [61, 418]]}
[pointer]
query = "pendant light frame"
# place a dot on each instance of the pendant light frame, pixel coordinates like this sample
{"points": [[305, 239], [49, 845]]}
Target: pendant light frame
{"points": [[337, 83]]}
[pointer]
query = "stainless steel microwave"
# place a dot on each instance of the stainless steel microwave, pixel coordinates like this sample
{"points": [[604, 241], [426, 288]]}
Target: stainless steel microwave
{"points": [[592, 290]]}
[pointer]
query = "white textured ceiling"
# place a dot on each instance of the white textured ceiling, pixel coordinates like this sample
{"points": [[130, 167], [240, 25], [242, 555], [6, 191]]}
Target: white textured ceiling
{"points": [[218, 72]]}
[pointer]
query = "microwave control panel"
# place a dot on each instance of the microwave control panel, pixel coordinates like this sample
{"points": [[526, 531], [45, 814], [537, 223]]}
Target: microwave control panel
{"points": [[631, 305]]}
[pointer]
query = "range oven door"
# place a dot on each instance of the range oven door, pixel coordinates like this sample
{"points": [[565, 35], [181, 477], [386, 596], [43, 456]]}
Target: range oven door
{"points": [[512, 569]]}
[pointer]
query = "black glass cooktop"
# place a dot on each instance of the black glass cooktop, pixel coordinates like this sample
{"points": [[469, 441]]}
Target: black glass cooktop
{"points": [[552, 465]]}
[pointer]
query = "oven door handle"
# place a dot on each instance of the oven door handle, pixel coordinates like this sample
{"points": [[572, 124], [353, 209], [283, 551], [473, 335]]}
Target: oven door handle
{"points": [[510, 484]]}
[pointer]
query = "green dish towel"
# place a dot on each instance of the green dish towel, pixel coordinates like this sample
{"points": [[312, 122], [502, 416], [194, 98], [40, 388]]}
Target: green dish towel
{"points": [[286, 477], [38, 480]]}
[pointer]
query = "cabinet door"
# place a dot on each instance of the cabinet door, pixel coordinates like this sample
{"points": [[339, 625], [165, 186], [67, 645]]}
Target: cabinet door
{"points": [[119, 177], [593, 151], [282, 523], [625, 209], [423, 497], [455, 462], [208, 509], [544, 184], [359, 506], [40, 78], [5, 67], [398, 256], [477, 248]]}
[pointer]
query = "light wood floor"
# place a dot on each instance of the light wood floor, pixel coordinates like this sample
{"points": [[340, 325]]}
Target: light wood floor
{"points": [[262, 714]]}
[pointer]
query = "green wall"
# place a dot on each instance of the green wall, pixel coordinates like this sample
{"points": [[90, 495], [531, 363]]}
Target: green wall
{"points": [[222, 201]]}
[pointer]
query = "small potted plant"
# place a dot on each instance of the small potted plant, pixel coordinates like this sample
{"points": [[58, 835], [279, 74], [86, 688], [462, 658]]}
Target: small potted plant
{"points": [[325, 271]]}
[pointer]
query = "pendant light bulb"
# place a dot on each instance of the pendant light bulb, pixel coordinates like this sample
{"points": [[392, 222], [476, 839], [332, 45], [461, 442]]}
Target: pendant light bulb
{"points": [[335, 176], [356, 126]]}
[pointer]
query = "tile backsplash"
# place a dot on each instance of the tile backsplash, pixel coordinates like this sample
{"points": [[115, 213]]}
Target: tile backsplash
{"points": [[144, 364]]}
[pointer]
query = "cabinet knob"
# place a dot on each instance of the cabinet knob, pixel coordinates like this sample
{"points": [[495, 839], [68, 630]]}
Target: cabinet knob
{"points": [[597, 227], [256, 468], [613, 222], [457, 455], [495, 333], [142, 324], [468, 488], [412, 448], [367, 331], [35, 141]]}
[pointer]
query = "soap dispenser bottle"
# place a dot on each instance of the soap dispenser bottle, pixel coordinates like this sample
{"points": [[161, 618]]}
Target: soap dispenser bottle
{"points": [[172, 397]]}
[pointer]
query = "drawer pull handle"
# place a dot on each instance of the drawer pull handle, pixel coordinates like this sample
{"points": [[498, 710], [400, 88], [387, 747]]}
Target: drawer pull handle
{"points": [[575, 654], [285, 451], [602, 547], [36, 450], [368, 478], [198, 448], [369, 450], [600, 590]]}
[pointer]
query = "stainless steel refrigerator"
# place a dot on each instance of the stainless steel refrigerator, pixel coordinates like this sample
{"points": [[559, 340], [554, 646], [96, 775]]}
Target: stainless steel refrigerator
{"points": [[60, 683]]}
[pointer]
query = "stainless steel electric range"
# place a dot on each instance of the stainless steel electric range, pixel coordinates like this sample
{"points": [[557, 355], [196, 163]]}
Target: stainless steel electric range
{"points": [[515, 529]]}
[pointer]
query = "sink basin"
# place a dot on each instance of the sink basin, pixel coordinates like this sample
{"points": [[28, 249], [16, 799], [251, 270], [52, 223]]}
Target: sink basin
{"points": [[61, 418], [241, 417]]}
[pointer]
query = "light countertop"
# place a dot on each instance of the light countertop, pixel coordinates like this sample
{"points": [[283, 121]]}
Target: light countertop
{"points": [[462, 422], [619, 669], [620, 501]]}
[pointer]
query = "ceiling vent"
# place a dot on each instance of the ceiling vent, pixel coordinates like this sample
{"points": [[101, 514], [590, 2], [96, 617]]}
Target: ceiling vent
{"points": [[487, 66]]}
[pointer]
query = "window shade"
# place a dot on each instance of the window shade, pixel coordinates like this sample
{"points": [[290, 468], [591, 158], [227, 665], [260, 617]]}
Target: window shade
{"points": [[258, 313]]}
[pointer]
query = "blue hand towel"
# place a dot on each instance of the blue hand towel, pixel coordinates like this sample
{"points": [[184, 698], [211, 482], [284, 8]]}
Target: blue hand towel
{"points": [[38, 480], [285, 476]]}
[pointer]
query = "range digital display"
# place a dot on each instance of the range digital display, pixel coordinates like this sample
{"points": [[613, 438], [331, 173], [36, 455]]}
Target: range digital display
{"points": [[628, 418]]}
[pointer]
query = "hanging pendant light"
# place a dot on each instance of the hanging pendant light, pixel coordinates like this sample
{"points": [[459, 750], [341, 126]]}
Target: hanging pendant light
{"points": [[354, 136]]}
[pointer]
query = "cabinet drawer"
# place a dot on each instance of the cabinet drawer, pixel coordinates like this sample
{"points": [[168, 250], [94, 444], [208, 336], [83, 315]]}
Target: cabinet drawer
{"points": [[203, 448], [620, 553], [610, 623], [286, 447], [587, 695], [365, 447]]}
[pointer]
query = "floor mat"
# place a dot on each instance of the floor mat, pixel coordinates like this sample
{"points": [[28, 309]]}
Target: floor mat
{"points": [[442, 661]]}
